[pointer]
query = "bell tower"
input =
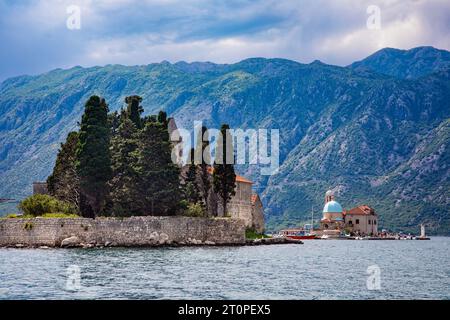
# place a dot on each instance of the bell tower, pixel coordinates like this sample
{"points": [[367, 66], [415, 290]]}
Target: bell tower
{"points": [[329, 196]]}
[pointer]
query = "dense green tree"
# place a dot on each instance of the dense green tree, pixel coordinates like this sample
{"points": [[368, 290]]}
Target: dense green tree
{"points": [[134, 110], [149, 118], [93, 157], [162, 118], [114, 119], [204, 167], [123, 184], [224, 177], [64, 183], [158, 182], [191, 186]]}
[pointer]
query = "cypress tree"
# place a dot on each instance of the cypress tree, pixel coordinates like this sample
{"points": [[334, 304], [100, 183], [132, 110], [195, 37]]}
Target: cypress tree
{"points": [[158, 176], [162, 118], [224, 177], [114, 120], [134, 110], [93, 157], [64, 183], [191, 187], [205, 172], [123, 184]]}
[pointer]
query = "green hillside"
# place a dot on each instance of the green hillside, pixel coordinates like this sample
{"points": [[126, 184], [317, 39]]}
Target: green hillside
{"points": [[374, 137]]}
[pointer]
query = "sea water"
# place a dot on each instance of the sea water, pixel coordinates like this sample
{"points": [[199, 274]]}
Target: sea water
{"points": [[319, 269]]}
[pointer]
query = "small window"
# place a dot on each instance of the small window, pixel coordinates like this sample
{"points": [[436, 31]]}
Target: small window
{"points": [[357, 221], [374, 221], [369, 221], [350, 222]]}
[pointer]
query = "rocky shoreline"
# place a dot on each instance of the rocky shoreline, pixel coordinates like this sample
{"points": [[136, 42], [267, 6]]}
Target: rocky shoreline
{"points": [[139, 232], [160, 241]]}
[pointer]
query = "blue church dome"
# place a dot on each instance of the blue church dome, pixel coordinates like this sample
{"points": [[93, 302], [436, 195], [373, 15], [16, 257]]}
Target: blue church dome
{"points": [[332, 206]]}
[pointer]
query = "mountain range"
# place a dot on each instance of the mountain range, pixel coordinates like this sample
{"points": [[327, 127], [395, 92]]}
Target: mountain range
{"points": [[375, 132]]}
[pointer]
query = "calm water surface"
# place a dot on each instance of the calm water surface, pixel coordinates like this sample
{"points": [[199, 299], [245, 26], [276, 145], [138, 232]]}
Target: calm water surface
{"points": [[315, 270]]}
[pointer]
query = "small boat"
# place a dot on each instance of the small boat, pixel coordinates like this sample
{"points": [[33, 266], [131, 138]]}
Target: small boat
{"points": [[305, 233], [297, 234], [303, 237]]}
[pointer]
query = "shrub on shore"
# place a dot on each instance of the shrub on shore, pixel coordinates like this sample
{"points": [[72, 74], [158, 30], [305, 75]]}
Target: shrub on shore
{"points": [[195, 210], [41, 204], [251, 234]]}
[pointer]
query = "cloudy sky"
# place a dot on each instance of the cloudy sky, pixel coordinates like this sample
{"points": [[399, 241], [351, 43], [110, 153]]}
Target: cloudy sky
{"points": [[35, 38]]}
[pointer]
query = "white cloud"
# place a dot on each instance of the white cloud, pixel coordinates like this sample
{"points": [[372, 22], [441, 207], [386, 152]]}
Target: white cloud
{"points": [[36, 39]]}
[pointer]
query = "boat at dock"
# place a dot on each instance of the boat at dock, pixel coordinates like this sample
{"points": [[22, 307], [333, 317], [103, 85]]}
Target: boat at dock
{"points": [[297, 234], [304, 233]]}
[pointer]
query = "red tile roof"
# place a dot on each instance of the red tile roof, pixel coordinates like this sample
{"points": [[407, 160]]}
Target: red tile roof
{"points": [[238, 178], [361, 210], [242, 179]]}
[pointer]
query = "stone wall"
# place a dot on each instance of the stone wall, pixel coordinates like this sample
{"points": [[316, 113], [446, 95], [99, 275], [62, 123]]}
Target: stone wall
{"points": [[134, 231], [258, 215], [240, 206]]}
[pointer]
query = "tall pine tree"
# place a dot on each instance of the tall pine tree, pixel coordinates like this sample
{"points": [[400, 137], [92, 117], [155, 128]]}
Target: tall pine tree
{"points": [[114, 119], [205, 169], [93, 157], [224, 177], [134, 110], [191, 186], [162, 118], [123, 184], [64, 183], [159, 185]]}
